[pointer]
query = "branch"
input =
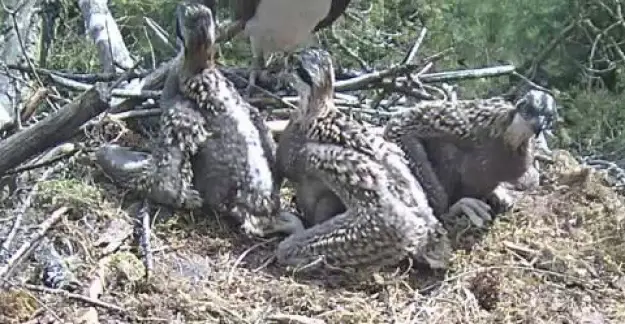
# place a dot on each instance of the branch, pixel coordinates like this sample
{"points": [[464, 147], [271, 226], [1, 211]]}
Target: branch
{"points": [[153, 81], [80, 77], [31, 244], [368, 79], [415, 48], [78, 297], [124, 93], [528, 67], [466, 74], [21, 210], [54, 129], [20, 32], [105, 34]]}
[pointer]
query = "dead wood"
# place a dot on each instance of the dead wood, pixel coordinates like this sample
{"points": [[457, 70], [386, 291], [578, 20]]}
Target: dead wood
{"points": [[54, 129], [153, 81], [19, 35], [30, 245], [104, 32]]}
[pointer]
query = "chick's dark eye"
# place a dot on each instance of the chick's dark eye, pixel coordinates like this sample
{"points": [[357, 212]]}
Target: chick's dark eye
{"points": [[303, 74]]}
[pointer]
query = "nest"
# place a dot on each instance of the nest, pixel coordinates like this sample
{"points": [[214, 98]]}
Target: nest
{"points": [[556, 257]]}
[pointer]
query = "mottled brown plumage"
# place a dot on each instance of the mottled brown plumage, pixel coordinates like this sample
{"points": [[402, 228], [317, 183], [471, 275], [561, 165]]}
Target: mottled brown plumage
{"points": [[383, 214], [211, 140], [472, 146], [165, 175]]}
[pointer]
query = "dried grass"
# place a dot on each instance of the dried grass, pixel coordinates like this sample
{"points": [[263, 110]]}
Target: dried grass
{"points": [[557, 257]]}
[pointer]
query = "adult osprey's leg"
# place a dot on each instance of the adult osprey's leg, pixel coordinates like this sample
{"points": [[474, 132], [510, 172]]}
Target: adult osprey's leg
{"points": [[258, 64]]}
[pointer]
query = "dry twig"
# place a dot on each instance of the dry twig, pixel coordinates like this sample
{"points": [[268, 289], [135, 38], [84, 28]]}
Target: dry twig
{"points": [[28, 247]]}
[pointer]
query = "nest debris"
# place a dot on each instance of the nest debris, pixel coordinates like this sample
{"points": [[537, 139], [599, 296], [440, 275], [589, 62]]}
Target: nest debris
{"points": [[556, 257]]}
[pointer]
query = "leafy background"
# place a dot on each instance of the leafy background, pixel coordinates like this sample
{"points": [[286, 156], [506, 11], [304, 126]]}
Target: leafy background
{"points": [[481, 33]]}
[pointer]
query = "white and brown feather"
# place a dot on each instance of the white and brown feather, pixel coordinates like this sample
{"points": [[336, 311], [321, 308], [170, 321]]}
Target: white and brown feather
{"points": [[214, 148], [464, 148], [387, 216]]}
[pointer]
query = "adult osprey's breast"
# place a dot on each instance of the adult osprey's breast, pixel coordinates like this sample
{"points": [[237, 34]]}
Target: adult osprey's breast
{"points": [[283, 24]]}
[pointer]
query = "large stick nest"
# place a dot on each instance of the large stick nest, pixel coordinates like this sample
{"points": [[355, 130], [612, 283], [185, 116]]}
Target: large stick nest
{"points": [[556, 257]]}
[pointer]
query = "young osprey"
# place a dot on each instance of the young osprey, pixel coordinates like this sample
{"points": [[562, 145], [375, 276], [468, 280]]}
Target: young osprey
{"points": [[280, 25]]}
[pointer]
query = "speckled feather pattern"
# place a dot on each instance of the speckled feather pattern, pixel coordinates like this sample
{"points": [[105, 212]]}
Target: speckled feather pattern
{"points": [[334, 127], [461, 119], [207, 132], [387, 213], [223, 147], [183, 129], [256, 199], [377, 228], [167, 172], [467, 154], [182, 132]]}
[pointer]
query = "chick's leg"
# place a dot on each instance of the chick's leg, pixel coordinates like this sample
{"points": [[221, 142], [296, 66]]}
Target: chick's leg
{"points": [[476, 210]]}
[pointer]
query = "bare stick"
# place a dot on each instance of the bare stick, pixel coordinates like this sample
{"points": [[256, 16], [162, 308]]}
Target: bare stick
{"points": [[466, 74], [288, 318], [19, 213], [124, 93], [368, 79], [415, 48], [82, 298], [153, 81], [21, 253], [54, 129]]}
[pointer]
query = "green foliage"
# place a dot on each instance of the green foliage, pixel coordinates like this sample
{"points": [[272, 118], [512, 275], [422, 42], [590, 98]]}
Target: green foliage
{"points": [[593, 122], [139, 38], [381, 32]]}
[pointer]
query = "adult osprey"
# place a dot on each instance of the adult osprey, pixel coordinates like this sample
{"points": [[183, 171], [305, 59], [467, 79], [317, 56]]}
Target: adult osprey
{"points": [[280, 25]]}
